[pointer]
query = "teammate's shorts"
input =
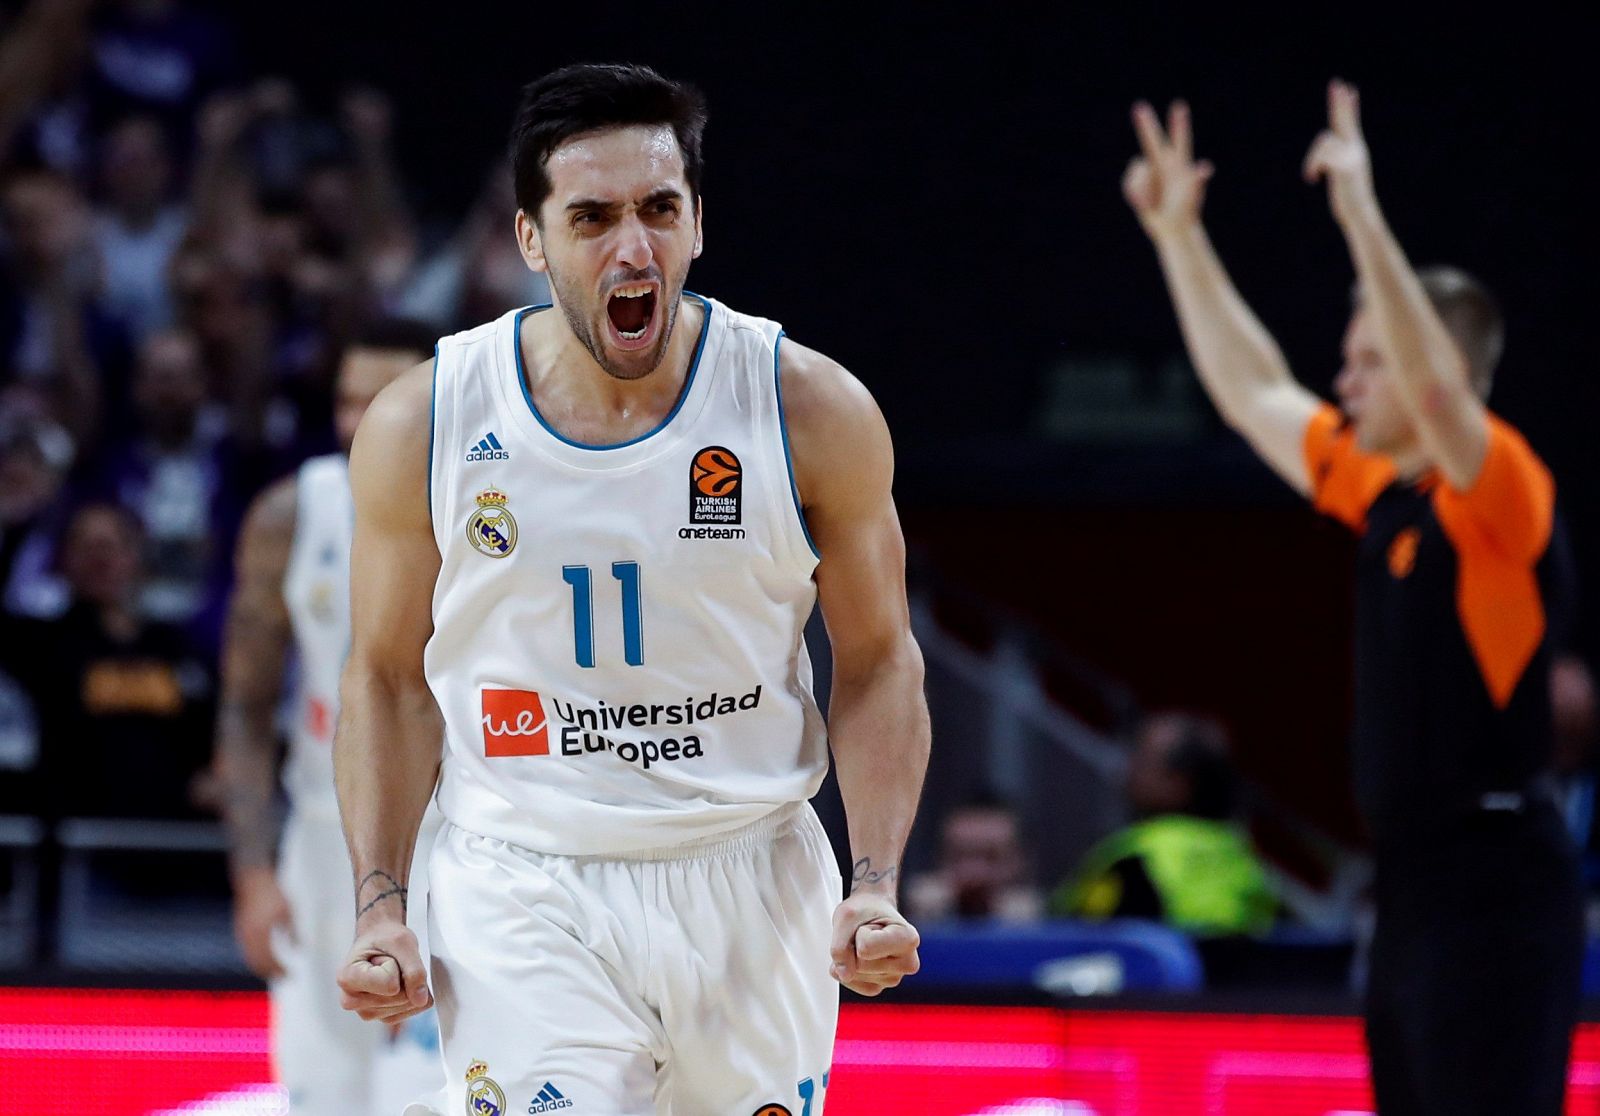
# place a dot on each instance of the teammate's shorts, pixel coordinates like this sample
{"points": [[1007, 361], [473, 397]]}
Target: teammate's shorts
{"points": [[691, 980], [332, 1062]]}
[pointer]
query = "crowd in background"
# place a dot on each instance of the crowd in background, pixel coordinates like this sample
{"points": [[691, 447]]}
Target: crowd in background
{"points": [[185, 249]]}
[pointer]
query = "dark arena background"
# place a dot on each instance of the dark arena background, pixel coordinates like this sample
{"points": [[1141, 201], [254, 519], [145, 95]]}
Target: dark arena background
{"points": [[930, 196]]}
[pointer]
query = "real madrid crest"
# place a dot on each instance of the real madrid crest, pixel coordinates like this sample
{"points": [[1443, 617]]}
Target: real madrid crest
{"points": [[484, 1097], [491, 530]]}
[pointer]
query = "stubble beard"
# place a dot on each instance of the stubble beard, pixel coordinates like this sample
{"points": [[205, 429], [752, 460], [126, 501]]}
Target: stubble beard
{"points": [[586, 334]]}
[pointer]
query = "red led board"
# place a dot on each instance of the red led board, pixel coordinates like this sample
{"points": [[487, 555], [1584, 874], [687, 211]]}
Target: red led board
{"points": [[138, 1053]]}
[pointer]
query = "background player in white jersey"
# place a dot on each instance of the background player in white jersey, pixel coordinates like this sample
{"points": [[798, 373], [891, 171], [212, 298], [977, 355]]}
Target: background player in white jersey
{"points": [[292, 912], [595, 533]]}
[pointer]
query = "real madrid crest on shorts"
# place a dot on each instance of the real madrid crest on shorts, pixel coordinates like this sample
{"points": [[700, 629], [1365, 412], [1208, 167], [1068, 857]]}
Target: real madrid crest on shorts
{"points": [[491, 530], [484, 1097]]}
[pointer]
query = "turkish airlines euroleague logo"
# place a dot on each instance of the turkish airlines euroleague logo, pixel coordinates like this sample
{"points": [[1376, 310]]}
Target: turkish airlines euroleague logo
{"points": [[715, 482], [514, 724]]}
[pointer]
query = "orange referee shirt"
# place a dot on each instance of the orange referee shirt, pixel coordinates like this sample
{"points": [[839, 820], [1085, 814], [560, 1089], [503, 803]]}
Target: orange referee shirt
{"points": [[1453, 594]]}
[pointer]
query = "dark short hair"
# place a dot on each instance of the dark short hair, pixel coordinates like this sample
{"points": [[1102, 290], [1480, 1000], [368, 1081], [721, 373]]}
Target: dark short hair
{"points": [[577, 99], [397, 335], [1473, 318], [1201, 755]]}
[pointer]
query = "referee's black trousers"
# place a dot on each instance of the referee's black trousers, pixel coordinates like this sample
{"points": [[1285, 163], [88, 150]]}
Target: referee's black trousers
{"points": [[1473, 987]]}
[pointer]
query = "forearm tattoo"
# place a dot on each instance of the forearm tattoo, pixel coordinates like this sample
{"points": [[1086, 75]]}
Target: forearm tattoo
{"points": [[388, 887], [863, 873], [254, 650]]}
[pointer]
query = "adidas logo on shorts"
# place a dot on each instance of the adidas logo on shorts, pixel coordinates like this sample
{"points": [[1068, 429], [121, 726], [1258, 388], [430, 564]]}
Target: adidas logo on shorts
{"points": [[488, 449], [548, 1099]]}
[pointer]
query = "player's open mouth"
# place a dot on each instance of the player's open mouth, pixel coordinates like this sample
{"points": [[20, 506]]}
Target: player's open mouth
{"points": [[632, 311]]}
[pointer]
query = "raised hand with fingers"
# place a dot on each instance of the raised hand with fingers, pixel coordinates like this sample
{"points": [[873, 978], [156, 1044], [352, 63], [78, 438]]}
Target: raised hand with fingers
{"points": [[1164, 184], [1339, 156]]}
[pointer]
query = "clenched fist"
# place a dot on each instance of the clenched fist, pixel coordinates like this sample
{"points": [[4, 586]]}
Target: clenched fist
{"points": [[874, 947]]}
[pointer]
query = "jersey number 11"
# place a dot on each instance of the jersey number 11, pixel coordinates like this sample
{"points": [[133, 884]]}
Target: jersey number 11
{"points": [[582, 583]]}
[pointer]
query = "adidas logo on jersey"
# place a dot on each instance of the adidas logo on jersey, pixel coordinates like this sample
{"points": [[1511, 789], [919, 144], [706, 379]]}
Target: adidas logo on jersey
{"points": [[548, 1099], [488, 449]]}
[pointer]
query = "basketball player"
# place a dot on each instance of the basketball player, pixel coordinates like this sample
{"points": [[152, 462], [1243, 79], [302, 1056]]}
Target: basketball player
{"points": [[593, 532], [1473, 989], [294, 919]]}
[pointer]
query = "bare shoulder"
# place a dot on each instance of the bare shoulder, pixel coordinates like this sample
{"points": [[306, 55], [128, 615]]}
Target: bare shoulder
{"points": [[390, 458], [818, 391], [272, 513], [261, 556], [836, 432]]}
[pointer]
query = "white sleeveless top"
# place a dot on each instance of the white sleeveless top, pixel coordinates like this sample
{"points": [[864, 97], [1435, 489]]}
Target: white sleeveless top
{"points": [[316, 589], [617, 644]]}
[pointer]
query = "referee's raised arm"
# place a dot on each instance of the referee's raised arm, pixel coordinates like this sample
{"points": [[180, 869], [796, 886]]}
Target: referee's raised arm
{"points": [[1240, 365], [1431, 374]]}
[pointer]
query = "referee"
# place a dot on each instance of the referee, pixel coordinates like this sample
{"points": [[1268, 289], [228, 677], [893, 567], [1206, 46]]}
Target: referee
{"points": [[1474, 982]]}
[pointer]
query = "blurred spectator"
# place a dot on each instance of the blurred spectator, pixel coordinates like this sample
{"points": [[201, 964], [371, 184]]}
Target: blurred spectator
{"points": [[178, 472], [35, 455], [983, 869], [361, 204], [139, 226], [41, 52], [480, 273], [158, 58], [1576, 720], [123, 704], [19, 747], [1184, 862], [55, 336], [301, 232]]}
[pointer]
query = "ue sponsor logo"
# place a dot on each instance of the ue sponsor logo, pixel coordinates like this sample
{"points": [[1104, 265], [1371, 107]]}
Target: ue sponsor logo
{"points": [[514, 724], [488, 449], [518, 723], [548, 1099]]}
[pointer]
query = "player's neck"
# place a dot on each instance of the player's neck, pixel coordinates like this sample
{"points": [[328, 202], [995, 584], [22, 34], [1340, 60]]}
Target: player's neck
{"points": [[1411, 462], [569, 386]]}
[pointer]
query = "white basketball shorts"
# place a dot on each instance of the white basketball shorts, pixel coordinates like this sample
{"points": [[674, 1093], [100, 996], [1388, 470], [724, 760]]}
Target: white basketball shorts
{"points": [[685, 981], [331, 1062]]}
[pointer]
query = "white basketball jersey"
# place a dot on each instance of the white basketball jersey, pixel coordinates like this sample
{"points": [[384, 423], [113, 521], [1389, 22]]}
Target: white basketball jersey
{"points": [[617, 643], [316, 588]]}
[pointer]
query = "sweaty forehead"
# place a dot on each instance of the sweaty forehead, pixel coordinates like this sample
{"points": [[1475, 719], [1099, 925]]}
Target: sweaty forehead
{"points": [[615, 164]]}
